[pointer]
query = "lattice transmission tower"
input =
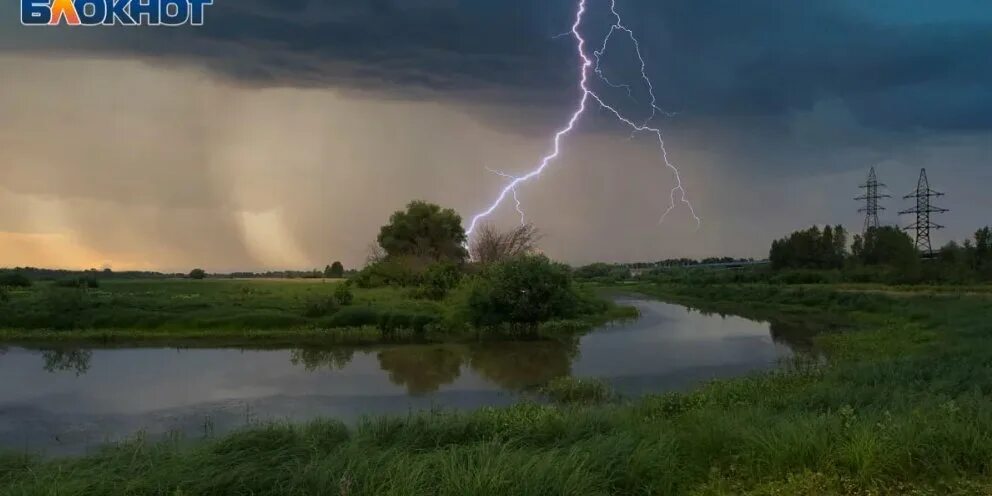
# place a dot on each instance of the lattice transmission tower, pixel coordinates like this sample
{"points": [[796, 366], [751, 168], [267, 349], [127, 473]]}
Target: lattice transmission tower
{"points": [[923, 210], [871, 198]]}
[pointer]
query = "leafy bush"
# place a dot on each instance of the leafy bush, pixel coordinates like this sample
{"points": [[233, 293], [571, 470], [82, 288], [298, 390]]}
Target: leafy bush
{"points": [[439, 279], [198, 274], [343, 294], [355, 317], [15, 280], [320, 306], [393, 321], [393, 271], [523, 290]]}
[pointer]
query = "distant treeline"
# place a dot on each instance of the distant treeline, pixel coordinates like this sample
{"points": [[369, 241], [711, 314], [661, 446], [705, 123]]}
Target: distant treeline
{"points": [[606, 272], [825, 255], [686, 262], [286, 274], [883, 254], [38, 274]]}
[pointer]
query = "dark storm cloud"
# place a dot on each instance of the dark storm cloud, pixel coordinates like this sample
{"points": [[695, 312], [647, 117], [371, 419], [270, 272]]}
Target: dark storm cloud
{"points": [[722, 58]]}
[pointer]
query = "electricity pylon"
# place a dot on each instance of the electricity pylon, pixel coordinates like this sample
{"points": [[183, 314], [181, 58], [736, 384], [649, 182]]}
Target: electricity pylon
{"points": [[923, 210], [871, 198]]}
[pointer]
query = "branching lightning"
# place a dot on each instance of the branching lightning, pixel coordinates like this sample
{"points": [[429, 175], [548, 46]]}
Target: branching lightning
{"points": [[520, 208], [678, 193]]}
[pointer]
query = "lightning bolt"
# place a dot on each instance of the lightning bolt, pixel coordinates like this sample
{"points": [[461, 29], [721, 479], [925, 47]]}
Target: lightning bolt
{"points": [[520, 207], [678, 193]]}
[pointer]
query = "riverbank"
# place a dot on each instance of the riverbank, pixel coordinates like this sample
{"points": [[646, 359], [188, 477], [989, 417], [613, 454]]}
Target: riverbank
{"points": [[231, 312], [901, 406]]}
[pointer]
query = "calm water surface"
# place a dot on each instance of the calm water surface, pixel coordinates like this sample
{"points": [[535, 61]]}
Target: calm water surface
{"points": [[71, 401]]}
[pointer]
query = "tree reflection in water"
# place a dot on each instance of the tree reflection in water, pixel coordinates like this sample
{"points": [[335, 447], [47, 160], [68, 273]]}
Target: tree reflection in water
{"points": [[313, 359], [77, 361], [422, 369], [510, 365], [798, 336], [520, 365]]}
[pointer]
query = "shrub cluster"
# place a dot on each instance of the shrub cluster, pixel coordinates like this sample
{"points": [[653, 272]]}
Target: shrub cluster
{"points": [[521, 291], [393, 271], [343, 294], [320, 306]]}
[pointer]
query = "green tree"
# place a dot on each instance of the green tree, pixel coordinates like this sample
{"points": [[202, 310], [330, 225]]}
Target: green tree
{"points": [[982, 252], [983, 246], [810, 249], [336, 270], [888, 246], [198, 274], [424, 230]]}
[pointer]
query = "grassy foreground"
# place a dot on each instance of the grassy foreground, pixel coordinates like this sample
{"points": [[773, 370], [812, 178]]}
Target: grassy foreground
{"points": [[902, 407]]}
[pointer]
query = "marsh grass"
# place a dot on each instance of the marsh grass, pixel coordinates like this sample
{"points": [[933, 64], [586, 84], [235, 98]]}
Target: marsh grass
{"points": [[903, 405], [573, 390], [247, 313]]}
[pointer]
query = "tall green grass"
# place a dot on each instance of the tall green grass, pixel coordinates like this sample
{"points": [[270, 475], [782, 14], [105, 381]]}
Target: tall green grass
{"points": [[903, 405]]}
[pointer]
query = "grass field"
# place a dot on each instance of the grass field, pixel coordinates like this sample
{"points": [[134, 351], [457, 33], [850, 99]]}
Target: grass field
{"points": [[232, 312], [901, 406]]}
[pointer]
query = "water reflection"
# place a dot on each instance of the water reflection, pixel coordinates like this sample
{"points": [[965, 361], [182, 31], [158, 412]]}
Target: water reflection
{"points": [[86, 396], [797, 335], [419, 369], [422, 370], [76, 361], [512, 366], [517, 366], [313, 359]]}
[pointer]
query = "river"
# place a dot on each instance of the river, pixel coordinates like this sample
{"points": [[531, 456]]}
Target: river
{"points": [[70, 401]]}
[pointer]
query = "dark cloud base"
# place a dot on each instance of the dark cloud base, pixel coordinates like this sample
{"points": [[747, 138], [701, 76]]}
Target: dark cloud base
{"points": [[720, 58]]}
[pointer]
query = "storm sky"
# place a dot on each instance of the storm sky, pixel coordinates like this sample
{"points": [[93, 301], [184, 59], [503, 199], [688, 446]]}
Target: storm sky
{"points": [[283, 133]]}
